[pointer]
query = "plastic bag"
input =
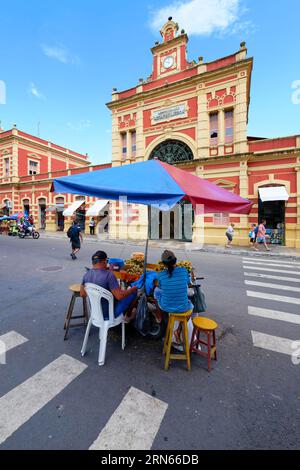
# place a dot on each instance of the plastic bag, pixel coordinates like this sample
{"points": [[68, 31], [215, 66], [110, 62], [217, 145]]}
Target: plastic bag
{"points": [[142, 320], [198, 300]]}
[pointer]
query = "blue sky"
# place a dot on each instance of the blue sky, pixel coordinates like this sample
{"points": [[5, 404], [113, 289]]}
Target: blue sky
{"points": [[61, 59]]}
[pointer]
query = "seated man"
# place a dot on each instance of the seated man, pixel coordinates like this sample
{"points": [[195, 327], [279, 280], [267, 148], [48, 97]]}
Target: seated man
{"points": [[125, 300]]}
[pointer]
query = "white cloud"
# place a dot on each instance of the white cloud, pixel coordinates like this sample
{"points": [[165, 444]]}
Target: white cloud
{"points": [[201, 17], [61, 53], [80, 126], [35, 92]]}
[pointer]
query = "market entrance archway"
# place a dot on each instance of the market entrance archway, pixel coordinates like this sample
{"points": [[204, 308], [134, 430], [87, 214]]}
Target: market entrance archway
{"points": [[178, 223]]}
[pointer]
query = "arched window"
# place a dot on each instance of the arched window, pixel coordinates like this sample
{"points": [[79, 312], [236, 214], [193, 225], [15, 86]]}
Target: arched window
{"points": [[172, 151]]}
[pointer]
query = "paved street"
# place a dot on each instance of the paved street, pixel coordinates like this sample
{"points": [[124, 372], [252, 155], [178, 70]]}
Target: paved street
{"points": [[52, 398]]}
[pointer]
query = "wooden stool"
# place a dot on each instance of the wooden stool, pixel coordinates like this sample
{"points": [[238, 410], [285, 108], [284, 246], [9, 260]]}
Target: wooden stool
{"points": [[181, 318], [75, 289], [208, 327]]}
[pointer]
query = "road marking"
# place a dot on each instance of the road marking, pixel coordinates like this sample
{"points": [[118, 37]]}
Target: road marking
{"points": [[269, 276], [277, 298], [272, 286], [279, 265], [274, 315], [270, 261], [134, 424], [12, 340], [21, 403], [272, 343], [256, 268]]}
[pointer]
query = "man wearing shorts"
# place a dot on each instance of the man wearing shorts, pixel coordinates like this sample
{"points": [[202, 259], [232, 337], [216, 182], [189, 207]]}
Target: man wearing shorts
{"points": [[76, 240], [230, 235], [261, 236]]}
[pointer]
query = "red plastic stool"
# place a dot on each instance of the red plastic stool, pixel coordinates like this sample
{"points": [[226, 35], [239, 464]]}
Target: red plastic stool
{"points": [[208, 328]]}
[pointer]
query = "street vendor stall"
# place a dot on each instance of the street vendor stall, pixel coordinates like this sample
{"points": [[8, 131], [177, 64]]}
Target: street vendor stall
{"points": [[163, 187]]}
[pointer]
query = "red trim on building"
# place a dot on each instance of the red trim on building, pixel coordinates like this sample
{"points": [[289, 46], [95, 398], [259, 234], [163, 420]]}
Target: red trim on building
{"points": [[127, 93], [273, 144], [221, 80], [217, 64]]}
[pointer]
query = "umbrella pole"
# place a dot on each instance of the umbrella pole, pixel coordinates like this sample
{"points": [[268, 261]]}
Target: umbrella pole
{"points": [[147, 244]]}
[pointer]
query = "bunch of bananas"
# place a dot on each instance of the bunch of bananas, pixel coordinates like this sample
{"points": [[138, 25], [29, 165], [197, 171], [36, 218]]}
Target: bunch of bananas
{"points": [[181, 264], [135, 266], [185, 264]]}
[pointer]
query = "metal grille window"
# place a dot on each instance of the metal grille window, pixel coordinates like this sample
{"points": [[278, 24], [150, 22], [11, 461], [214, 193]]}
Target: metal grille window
{"points": [[172, 151], [124, 146], [33, 167], [214, 128], [221, 220], [229, 127]]}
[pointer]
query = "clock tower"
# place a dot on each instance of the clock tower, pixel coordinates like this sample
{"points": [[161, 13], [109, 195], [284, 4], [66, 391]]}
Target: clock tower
{"points": [[170, 56]]}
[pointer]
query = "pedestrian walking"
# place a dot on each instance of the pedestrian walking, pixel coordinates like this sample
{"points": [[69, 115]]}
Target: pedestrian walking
{"points": [[75, 235], [92, 226], [253, 236], [230, 235], [262, 235]]}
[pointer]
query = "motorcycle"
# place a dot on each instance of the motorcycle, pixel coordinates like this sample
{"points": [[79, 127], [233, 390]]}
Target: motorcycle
{"points": [[30, 231]]}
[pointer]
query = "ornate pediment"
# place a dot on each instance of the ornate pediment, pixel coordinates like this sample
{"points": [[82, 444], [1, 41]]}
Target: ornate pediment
{"points": [[34, 156], [225, 184]]}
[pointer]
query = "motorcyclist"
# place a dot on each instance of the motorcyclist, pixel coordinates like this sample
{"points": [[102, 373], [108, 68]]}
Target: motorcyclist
{"points": [[27, 227]]}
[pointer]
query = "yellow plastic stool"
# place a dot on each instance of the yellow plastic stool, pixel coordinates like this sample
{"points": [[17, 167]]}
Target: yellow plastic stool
{"points": [[181, 318], [208, 327]]}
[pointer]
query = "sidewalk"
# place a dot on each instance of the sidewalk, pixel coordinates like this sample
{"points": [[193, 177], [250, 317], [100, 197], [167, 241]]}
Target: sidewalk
{"points": [[276, 251]]}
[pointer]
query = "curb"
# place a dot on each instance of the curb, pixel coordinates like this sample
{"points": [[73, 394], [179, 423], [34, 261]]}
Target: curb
{"points": [[195, 248]]}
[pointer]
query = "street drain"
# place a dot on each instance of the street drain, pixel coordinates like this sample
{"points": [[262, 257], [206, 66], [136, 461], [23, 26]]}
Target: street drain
{"points": [[52, 269]]}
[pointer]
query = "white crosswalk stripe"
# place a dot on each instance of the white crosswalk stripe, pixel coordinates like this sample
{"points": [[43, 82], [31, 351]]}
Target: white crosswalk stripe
{"points": [[278, 265], [273, 343], [274, 315], [269, 276], [12, 340], [134, 424], [24, 401], [272, 286], [271, 261], [283, 271], [257, 273], [276, 298]]}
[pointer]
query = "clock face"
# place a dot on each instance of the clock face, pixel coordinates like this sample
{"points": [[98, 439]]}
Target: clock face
{"points": [[168, 62]]}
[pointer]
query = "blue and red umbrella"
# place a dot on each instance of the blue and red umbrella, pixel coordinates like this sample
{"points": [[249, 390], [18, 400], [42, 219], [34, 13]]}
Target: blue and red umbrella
{"points": [[153, 183]]}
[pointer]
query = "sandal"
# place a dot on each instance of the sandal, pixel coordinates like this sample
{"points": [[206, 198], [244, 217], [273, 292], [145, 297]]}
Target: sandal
{"points": [[177, 338]]}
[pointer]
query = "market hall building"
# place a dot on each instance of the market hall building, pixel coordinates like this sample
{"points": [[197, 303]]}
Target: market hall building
{"points": [[194, 115]]}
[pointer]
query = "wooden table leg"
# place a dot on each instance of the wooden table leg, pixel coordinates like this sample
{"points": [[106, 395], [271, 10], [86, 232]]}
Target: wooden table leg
{"points": [[69, 315]]}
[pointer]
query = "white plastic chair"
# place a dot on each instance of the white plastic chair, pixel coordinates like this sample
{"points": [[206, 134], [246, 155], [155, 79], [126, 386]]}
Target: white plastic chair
{"points": [[95, 294]]}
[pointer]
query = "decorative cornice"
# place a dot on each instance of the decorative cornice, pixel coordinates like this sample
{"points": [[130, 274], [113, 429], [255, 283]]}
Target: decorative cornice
{"points": [[172, 87]]}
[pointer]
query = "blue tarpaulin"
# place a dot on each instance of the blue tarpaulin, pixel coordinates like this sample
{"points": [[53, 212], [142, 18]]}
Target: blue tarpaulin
{"points": [[143, 183], [153, 183]]}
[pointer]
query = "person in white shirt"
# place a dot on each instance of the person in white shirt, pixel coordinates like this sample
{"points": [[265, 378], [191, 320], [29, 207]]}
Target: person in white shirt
{"points": [[230, 235]]}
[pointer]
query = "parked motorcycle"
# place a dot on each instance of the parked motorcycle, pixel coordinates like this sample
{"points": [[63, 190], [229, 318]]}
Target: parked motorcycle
{"points": [[29, 232], [13, 231]]}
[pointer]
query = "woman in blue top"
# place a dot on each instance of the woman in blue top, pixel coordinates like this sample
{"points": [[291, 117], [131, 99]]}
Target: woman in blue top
{"points": [[171, 295]]}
